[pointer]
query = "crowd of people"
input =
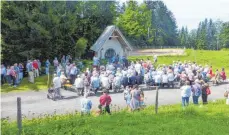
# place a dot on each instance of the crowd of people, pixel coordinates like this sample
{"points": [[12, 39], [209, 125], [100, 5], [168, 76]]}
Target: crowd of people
{"points": [[13, 75], [119, 74]]}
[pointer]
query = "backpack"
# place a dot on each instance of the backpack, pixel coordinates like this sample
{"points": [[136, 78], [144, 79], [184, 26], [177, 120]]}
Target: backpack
{"points": [[208, 91]]}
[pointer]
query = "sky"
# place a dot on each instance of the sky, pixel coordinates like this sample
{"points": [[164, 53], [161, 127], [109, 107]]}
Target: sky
{"points": [[190, 12]]}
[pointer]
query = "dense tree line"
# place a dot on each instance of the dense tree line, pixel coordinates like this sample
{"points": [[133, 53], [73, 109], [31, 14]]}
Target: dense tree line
{"points": [[148, 24], [45, 29], [41, 29], [209, 35]]}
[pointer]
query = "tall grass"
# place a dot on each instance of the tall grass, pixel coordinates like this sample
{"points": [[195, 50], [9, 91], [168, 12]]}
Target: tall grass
{"points": [[211, 119]]}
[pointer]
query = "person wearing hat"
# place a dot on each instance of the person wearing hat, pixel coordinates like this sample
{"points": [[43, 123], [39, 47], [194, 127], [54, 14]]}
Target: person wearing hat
{"points": [[196, 91], [86, 105], [185, 93], [105, 101]]}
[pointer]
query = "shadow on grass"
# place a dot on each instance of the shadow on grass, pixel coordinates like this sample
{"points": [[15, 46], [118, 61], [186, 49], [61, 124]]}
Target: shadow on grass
{"points": [[40, 84]]}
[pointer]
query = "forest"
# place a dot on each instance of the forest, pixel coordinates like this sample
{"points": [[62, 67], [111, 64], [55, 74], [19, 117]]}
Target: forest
{"points": [[48, 29]]}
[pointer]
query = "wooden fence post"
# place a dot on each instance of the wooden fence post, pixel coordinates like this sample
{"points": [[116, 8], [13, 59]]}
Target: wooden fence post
{"points": [[156, 102], [19, 119]]}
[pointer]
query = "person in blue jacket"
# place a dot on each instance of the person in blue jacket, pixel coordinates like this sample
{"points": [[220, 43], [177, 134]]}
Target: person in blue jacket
{"points": [[47, 64]]}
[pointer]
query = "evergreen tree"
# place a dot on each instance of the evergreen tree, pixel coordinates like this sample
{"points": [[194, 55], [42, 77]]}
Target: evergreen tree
{"points": [[224, 35]]}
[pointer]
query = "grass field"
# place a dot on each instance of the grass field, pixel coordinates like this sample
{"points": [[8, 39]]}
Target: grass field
{"points": [[40, 84], [211, 119], [217, 59]]}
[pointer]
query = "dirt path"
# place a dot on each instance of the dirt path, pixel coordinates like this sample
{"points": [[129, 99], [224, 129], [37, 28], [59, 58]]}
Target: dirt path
{"points": [[150, 52]]}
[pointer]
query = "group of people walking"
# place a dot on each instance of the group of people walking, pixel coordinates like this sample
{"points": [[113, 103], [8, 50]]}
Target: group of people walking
{"points": [[198, 89]]}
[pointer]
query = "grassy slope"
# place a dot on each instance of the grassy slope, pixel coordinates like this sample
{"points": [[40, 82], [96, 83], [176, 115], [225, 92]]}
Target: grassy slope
{"points": [[212, 119], [217, 59]]}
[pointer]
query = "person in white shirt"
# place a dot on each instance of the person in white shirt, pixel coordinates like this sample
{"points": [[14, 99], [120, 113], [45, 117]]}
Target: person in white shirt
{"points": [[185, 94], [164, 79], [79, 84], [155, 58], [57, 86], [63, 78], [138, 67], [105, 81], [171, 79], [124, 72], [116, 83], [147, 78], [158, 79]]}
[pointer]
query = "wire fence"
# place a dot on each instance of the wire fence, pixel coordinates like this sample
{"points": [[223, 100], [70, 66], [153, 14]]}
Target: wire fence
{"points": [[113, 107], [159, 47]]}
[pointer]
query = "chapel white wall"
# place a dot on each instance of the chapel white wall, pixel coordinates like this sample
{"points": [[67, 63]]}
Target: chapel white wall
{"points": [[114, 44]]}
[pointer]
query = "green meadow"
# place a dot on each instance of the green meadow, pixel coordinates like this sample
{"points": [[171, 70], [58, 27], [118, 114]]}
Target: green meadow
{"points": [[217, 59], [211, 119]]}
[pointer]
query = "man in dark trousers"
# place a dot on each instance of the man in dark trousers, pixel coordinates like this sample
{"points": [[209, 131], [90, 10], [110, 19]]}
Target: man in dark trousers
{"points": [[125, 81], [105, 101]]}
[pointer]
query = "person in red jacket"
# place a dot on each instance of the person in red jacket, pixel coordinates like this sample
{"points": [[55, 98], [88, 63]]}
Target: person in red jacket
{"points": [[223, 74], [36, 68], [105, 101], [210, 72]]}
